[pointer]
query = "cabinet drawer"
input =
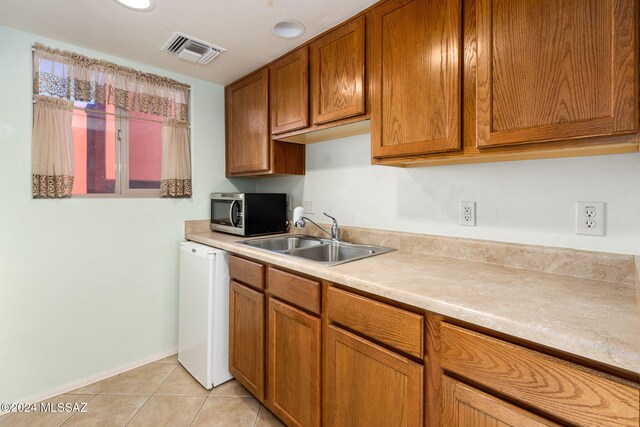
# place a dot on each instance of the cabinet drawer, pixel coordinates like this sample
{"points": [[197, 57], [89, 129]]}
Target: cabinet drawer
{"points": [[569, 392], [245, 271], [304, 293], [393, 326]]}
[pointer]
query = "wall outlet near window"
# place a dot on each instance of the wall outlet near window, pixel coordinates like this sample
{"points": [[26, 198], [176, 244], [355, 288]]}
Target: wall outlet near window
{"points": [[468, 213], [590, 218]]}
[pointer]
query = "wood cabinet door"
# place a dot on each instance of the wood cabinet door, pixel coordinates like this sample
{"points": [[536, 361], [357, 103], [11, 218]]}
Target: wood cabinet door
{"points": [[367, 385], [464, 406], [415, 50], [289, 83], [555, 70], [294, 365], [247, 124], [337, 73], [246, 337]]}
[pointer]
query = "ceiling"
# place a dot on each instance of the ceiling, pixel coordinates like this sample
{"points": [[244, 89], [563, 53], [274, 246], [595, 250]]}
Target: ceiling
{"points": [[242, 27]]}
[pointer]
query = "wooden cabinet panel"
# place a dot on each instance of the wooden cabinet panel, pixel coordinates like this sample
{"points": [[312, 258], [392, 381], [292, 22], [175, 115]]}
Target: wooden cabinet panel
{"points": [[289, 82], [415, 50], [393, 326], [246, 337], [367, 385], [337, 73], [464, 406], [566, 391], [248, 272], [294, 365], [554, 70], [304, 293], [247, 124]]}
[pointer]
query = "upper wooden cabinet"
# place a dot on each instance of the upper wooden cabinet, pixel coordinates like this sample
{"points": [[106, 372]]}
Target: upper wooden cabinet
{"points": [[249, 147], [555, 70], [289, 82], [247, 123], [338, 73], [415, 49]]}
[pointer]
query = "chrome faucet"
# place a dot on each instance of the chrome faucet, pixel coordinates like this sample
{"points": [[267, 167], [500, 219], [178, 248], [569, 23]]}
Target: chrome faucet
{"points": [[335, 228]]}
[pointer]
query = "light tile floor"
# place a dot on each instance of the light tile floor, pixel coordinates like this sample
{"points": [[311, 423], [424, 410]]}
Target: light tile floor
{"points": [[158, 394]]}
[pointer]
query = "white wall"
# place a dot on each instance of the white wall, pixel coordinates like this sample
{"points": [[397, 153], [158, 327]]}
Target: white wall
{"points": [[524, 201], [88, 285]]}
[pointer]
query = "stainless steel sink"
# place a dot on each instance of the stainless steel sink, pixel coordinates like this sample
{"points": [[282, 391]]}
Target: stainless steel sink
{"points": [[323, 251], [283, 243]]}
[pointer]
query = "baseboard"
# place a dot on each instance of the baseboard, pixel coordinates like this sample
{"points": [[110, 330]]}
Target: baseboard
{"points": [[94, 378]]}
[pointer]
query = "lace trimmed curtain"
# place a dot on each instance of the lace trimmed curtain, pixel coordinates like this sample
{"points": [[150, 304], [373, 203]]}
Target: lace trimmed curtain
{"points": [[72, 77], [176, 166], [51, 149]]}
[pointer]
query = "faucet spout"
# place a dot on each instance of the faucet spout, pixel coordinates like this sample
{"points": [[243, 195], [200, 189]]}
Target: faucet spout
{"points": [[300, 221]]}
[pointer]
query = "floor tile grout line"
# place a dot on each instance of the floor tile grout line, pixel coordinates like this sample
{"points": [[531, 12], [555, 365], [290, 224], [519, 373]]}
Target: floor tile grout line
{"points": [[255, 423], [165, 380], [139, 409], [198, 411], [65, 421]]}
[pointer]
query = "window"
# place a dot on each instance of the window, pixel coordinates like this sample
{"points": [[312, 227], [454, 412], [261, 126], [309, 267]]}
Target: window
{"points": [[115, 152], [100, 129]]}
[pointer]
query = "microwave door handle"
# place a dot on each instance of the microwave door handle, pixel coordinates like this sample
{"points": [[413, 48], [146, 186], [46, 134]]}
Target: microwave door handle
{"points": [[231, 213]]}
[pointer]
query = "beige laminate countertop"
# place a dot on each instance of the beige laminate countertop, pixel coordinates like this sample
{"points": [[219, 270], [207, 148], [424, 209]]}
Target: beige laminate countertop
{"points": [[593, 319]]}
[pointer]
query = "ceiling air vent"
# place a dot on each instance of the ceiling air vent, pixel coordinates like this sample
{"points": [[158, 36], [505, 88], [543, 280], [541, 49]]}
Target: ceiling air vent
{"points": [[191, 49]]}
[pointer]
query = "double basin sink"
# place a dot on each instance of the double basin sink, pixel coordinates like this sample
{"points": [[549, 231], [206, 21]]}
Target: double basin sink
{"points": [[324, 251]]}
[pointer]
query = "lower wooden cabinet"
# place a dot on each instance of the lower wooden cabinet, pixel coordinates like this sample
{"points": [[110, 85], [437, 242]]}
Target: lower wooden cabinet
{"points": [[367, 385], [316, 354], [464, 406], [567, 392], [293, 373], [246, 337]]}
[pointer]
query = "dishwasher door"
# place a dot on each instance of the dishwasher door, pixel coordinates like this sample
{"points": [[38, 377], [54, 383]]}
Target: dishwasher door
{"points": [[203, 325]]}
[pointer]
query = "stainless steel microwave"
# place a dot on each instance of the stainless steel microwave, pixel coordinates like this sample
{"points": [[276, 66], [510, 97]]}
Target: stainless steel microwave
{"points": [[249, 214]]}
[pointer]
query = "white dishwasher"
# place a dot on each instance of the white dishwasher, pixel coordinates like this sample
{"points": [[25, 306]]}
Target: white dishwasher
{"points": [[203, 329]]}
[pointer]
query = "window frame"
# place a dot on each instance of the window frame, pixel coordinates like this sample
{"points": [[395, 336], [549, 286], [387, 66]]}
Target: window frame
{"points": [[121, 141]]}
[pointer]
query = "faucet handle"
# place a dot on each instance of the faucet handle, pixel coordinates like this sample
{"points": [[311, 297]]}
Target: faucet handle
{"points": [[335, 221]]}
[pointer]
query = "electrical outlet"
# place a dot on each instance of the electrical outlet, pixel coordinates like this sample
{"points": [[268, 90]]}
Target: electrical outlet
{"points": [[289, 204], [468, 213], [308, 206], [590, 218]]}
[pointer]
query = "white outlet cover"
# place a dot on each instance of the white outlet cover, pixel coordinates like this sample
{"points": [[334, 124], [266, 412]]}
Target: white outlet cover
{"points": [[590, 218], [468, 213]]}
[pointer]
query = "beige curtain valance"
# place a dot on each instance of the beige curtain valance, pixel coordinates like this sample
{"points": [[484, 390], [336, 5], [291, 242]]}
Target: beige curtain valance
{"points": [[76, 77]]}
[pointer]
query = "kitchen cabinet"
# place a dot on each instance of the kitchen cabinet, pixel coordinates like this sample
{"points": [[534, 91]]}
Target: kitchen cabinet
{"points": [[249, 147], [246, 337], [448, 82], [294, 364], [567, 392], [368, 385], [293, 344], [338, 73], [555, 70], [322, 354], [289, 84], [415, 49], [464, 406]]}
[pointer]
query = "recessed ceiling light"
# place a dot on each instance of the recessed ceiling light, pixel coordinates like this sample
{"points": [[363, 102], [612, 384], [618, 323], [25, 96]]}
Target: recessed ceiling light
{"points": [[139, 5], [288, 29]]}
